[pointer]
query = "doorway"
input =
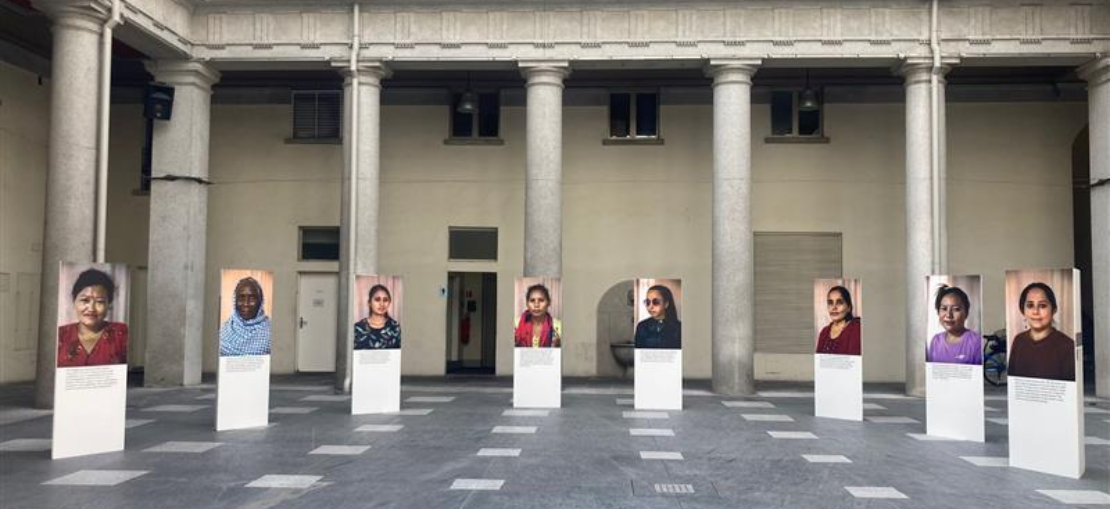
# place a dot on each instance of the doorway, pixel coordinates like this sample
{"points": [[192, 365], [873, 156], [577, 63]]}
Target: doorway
{"points": [[317, 314], [471, 323]]}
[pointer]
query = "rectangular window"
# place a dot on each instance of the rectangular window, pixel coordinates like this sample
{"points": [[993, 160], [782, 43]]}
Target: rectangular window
{"points": [[476, 244], [634, 115], [317, 115], [484, 122], [796, 115], [319, 243]]}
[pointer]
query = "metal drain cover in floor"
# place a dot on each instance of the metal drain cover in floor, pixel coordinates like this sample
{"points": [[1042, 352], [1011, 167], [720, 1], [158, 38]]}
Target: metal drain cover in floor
{"points": [[674, 489]]}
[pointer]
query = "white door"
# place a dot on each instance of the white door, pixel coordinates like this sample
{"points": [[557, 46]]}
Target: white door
{"points": [[317, 309]]}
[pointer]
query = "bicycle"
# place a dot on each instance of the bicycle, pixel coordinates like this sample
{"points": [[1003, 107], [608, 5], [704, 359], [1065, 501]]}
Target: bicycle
{"points": [[994, 357]]}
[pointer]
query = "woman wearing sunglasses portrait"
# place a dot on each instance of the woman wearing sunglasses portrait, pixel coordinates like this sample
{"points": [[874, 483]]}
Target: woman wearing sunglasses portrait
{"points": [[661, 329]]}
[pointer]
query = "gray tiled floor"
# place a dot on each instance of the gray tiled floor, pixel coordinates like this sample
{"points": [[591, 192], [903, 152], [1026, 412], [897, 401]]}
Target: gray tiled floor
{"points": [[585, 454]]}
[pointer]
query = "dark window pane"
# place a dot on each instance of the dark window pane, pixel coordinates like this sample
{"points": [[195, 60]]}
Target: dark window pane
{"points": [[304, 115], [809, 123], [462, 124], [472, 244], [647, 115], [782, 113], [320, 243], [329, 115], [489, 115], [620, 115]]}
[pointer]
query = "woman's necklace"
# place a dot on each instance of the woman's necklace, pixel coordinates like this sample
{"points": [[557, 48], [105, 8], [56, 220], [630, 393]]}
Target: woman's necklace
{"points": [[89, 339], [377, 322], [837, 328]]}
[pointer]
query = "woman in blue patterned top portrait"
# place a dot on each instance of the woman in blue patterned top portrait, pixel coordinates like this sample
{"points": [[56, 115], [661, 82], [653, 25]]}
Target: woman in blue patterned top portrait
{"points": [[379, 330], [247, 330]]}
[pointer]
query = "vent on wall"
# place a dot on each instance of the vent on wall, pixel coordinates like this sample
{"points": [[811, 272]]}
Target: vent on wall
{"points": [[475, 244], [785, 266], [317, 115]]}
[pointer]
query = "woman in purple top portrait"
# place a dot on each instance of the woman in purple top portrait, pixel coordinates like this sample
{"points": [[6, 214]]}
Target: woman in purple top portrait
{"points": [[956, 344]]}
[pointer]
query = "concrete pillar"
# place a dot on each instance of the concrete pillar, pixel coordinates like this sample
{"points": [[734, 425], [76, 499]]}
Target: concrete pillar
{"points": [[733, 257], [1097, 75], [923, 235], [71, 166], [359, 230], [178, 227], [543, 190]]}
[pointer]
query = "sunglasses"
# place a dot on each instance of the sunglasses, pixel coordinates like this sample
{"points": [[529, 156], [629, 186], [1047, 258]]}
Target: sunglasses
{"points": [[653, 302]]}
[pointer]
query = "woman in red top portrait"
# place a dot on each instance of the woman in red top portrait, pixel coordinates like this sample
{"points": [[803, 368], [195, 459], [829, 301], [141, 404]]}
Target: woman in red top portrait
{"points": [[842, 335], [92, 340]]}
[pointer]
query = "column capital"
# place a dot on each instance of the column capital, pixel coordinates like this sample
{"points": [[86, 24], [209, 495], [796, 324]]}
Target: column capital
{"points": [[732, 70], [184, 73], [918, 69], [548, 72], [87, 15], [1096, 72], [370, 71]]}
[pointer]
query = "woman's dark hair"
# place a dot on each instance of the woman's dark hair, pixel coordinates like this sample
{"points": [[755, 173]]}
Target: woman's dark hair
{"points": [[1042, 287], [94, 277], [946, 290], [538, 288], [252, 282], [375, 289], [847, 300], [671, 314]]}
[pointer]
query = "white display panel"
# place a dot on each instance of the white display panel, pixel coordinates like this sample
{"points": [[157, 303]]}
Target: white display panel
{"points": [[537, 377], [1046, 425], [243, 392], [90, 407], [838, 386], [954, 401], [658, 379], [376, 381]]}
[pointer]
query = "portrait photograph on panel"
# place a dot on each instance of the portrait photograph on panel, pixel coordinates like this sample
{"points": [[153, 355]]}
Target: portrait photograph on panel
{"points": [[538, 308], [658, 313], [837, 311], [378, 309], [92, 314], [1042, 323], [245, 304], [955, 311]]}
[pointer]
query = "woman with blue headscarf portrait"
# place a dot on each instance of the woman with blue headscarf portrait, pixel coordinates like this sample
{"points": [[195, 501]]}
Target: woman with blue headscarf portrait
{"points": [[247, 330]]}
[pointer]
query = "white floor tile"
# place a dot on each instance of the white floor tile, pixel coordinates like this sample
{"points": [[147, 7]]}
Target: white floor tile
{"points": [[793, 435], [294, 410], [991, 409], [873, 406], [507, 453], [874, 492], [1002, 421], [383, 428], [96, 477], [928, 438], [526, 413], [517, 430], [174, 408], [335, 398], [651, 432], [430, 399], [1095, 410], [478, 484], [341, 450], [995, 397], [639, 414], [661, 455], [1085, 497], [625, 401], [784, 394], [1095, 441], [135, 423], [184, 447], [297, 482], [987, 461], [26, 445], [206, 396], [892, 419], [748, 404], [826, 458], [413, 411], [767, 417]]}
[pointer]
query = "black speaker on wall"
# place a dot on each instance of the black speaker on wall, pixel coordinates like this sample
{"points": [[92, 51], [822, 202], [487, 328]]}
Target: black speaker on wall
{"points": [[158, 101]]}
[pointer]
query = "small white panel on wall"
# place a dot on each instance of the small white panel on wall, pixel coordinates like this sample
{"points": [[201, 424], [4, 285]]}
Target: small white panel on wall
{"points": [[376, 382], [1046, 425], [90, 407], [658, 373], [954, 401], [243, 392], [537, 377], [838, 386]]}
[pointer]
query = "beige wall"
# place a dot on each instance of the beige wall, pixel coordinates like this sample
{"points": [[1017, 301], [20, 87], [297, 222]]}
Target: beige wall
{"points": [[24, 122], [628, 211]]}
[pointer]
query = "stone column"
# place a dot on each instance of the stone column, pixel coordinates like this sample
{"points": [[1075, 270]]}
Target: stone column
{"points": [[543, 190], [733, 257], [1097, 75], [923, 234], [363, 232], [178, 227], [70, 226]]}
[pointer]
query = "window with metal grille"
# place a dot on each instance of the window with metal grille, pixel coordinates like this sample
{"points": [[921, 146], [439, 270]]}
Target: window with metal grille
{"points": [[319, 242], [317, 115]]}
